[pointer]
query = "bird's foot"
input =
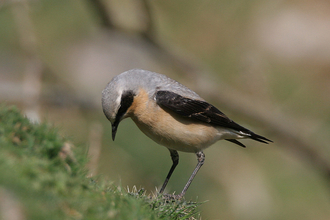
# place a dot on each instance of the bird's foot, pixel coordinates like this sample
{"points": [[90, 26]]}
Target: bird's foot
{"points": [[171, 197]]}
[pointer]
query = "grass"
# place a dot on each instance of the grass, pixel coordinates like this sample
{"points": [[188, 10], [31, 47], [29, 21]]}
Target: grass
{"points": [[43, 177]]}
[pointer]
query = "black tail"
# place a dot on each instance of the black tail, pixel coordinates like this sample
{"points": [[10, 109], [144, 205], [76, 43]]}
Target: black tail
{"points": [[236, 142], [253, 136], [259, 138]]}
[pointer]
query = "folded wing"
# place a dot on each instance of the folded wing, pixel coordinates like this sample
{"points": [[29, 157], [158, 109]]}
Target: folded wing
{"points": [[203, 112]]}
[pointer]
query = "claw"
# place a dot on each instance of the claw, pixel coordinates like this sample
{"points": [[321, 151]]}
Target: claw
{"points": [[173, 197]]}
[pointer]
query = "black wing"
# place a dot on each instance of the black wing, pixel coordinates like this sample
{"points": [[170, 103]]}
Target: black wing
{"points": [[204, 112]]}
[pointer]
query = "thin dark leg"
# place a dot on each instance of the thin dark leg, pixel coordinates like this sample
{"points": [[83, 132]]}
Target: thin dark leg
{"points": [[175, 160], [201, 158]]}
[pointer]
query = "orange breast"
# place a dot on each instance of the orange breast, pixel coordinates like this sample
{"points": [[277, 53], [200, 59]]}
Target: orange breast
{"points": [[168, 128]]}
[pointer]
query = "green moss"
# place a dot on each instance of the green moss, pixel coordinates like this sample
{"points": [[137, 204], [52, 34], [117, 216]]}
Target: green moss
{"points": [[46, 175]]}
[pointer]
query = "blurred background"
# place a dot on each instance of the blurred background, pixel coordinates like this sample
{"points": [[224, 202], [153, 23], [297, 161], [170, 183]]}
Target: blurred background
{"points": [[266, 64]]}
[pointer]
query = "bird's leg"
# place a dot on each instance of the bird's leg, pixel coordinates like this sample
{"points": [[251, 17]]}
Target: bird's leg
{"points": [[175, 160], [201, 158]]}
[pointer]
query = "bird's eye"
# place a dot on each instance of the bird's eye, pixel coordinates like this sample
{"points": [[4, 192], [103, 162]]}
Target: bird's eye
{"points": [[126, 101]]}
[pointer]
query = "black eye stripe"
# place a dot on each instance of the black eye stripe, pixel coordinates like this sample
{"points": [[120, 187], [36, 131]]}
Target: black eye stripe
{"points": [[126, 101]]}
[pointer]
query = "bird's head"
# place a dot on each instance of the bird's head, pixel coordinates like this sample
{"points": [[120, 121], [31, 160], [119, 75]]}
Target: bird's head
{"points": [[117, 97]]}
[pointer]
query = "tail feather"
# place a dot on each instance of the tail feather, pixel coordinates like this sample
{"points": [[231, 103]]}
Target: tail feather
{"points": [[259, 138], [249, 134], [236, 142], [252, 136]]}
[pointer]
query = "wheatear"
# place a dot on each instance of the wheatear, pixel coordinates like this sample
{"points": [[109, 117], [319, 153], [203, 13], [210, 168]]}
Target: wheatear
{"points": [[170, 114]]}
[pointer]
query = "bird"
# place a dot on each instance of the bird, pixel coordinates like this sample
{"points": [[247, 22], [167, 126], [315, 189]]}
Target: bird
{"points": [[172, 115]]}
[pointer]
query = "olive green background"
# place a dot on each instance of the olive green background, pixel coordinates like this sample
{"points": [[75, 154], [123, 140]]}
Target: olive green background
{"points": [[265, 64]]}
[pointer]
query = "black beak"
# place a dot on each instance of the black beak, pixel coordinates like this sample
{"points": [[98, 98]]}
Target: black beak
{"points": [[114, 129], [126, 101]]}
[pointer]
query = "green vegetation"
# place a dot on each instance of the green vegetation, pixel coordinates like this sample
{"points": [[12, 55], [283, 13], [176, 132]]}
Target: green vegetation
{"points": [[45, 175]]}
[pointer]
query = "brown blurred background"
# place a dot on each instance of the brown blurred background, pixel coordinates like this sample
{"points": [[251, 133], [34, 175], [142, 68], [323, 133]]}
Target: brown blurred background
{"points": [[266, 64]]}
